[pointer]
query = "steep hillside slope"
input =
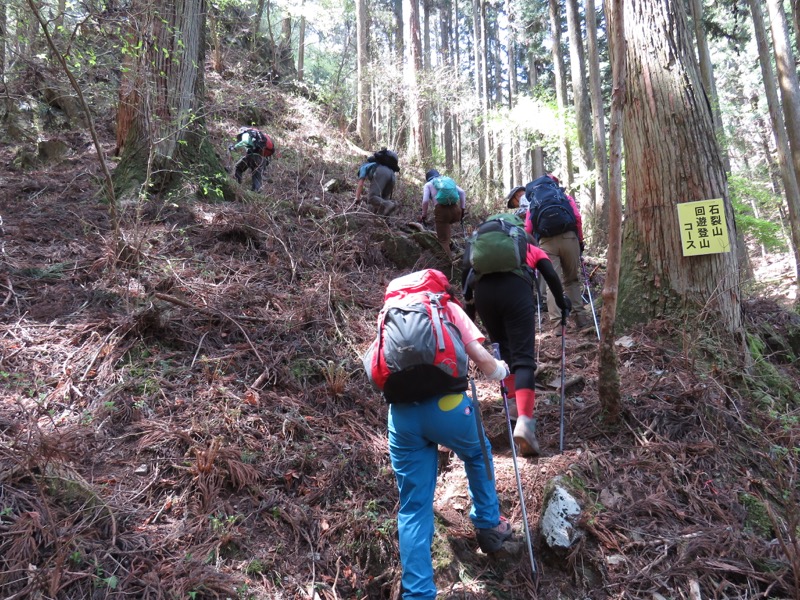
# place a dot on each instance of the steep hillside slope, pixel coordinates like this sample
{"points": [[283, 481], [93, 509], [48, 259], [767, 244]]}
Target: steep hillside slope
{"points": [[186, 415]]}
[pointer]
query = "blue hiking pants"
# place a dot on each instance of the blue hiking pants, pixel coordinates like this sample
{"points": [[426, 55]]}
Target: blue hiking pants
{"points": [[415, 430]]}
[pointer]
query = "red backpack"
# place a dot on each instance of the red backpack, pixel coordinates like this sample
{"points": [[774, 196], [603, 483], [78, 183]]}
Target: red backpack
{"points": [[418, 352], [262, 142]]}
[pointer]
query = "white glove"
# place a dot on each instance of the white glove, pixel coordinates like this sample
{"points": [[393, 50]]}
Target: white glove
{"points": [[501, 371]]}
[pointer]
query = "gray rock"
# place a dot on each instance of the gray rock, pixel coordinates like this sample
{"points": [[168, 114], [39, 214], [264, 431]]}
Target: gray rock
{"points": [[559, 521]]}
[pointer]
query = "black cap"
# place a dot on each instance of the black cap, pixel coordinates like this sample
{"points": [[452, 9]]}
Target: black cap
{"points": [[512, 193], [431, 174]]}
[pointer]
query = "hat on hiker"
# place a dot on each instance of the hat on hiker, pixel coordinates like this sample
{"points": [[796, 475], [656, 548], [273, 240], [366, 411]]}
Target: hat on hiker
{"points": [[511, 194], [431, 174]]}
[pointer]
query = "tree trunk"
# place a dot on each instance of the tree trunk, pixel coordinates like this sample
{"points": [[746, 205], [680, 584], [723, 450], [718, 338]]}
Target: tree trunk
{"points": [[559, 72], [301, 49], [417, 142], [790, 92], [608, 370], [480, 82], [364, 92], [672, 157], [257, 24], [426, 51], [399, 23], [583, 121], [511, 45], [447, 59], [216, 45], [483, 52], [796, 22], [426, 35], [601, 217], [161, 102], [3, 41], [707, 74], [284, 57]]}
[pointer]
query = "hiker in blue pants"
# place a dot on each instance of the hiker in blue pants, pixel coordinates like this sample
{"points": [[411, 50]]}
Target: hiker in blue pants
{"points": [[415, 432]]}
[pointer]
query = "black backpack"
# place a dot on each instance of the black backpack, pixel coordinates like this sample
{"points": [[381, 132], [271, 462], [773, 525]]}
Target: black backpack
{"points": [[550, 209], [387, 158]]}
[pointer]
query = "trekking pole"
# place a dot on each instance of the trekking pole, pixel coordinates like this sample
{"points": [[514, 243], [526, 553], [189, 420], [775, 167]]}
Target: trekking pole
{"points": [[504, 392], [536, 282], [591, 302], [564, 314], [481, 431]]}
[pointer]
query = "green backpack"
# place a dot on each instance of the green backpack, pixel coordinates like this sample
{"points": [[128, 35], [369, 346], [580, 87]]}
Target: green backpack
{"points": [[498, 245], [446, 190]]}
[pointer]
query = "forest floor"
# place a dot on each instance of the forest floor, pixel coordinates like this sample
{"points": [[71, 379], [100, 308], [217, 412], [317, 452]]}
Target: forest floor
{"points": [[183, 412]]}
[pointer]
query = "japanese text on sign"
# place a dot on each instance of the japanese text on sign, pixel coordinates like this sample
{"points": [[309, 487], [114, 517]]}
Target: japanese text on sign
{"points": [[704, 229]]}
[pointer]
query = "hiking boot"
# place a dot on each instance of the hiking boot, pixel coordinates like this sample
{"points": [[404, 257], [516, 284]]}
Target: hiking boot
{"points": [[491, 540], [525, 436]]}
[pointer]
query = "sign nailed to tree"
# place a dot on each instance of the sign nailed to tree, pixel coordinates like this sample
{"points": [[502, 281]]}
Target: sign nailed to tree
{"points": [[704, 229]]}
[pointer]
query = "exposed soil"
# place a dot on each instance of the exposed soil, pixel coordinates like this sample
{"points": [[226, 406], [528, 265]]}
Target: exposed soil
{"points": [[185, 415]]}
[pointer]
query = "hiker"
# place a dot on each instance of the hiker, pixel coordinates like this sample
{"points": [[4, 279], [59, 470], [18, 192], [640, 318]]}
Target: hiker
{"points": [[419, 421], [379, 170], [259, 148], [449, 206], [516, 199], [501, 293], [559, 232]]}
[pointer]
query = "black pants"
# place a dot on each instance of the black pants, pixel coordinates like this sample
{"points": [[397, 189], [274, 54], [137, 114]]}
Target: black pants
{"points": [[256, 163], [505, 304]]}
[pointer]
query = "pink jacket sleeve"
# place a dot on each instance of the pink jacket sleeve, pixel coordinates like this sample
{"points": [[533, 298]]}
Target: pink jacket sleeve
{"points": [[535, 254]]}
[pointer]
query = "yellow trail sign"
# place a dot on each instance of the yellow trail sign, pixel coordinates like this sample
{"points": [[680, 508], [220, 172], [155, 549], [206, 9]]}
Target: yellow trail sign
{"points": [[704, 229]]}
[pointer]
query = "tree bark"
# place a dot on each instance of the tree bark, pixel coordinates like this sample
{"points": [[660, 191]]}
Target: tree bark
{"points": [[399, 22], [301, 48], [418, 149], [257, 24], [426, 52], [790, 94], [3, 41], [161, 102], [559, 72], [480, 81], [672, 157], [363, 109], [796, 22], [445, 24], [511, 46], [601, 216], [707, 74], [608, 370], [583, 121]]}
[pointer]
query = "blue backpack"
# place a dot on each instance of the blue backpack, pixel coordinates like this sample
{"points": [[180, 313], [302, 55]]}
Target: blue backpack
{"points": [[446, 190], [550, 209]]}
